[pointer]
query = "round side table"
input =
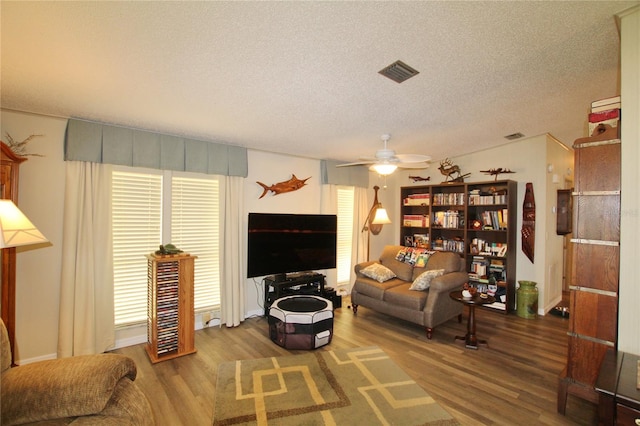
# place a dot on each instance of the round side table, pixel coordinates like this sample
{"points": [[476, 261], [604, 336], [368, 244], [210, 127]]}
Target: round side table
{"points": [[471, 340]]}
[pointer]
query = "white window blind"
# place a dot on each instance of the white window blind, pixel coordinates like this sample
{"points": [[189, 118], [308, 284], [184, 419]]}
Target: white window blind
{"points": [[345, 196], [195, 224], [137, 227], [150, 209]]}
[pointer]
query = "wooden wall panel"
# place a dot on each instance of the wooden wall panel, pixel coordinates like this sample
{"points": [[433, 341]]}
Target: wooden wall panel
{"points": [[597, 168], [599, 319], [595, 266]]}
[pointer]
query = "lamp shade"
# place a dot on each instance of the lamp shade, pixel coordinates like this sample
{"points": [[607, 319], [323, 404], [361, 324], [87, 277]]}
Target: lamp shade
{"points": [[384, 169], [381, 217], [15, 228]]}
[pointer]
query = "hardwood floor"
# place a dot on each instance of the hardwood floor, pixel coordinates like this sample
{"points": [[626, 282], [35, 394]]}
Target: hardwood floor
{"points": [[512, 381]]}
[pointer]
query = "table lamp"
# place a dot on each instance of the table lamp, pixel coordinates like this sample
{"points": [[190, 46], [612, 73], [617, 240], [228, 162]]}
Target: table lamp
{"points": [[15, 230]]}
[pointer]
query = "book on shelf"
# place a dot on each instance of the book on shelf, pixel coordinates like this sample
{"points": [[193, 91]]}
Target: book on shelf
{"points": [[498, 305], [476, 198], [446, 219], [479, 267], [417, 200], [415, 220], [598, 117], [421, 240], [485, 248], [454, 198], [607, 103]]}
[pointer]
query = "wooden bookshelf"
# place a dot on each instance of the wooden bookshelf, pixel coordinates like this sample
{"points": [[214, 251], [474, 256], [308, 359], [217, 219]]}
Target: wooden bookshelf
{"points": [[477, 220], [171, 316]]}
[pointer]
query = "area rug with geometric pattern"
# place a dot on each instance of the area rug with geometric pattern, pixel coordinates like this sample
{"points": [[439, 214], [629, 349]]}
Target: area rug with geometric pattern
{"points": [[342, 387]]}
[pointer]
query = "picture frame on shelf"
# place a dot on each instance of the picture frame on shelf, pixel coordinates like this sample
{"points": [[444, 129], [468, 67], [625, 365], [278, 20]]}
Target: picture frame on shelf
{"points": [[408, 241]]}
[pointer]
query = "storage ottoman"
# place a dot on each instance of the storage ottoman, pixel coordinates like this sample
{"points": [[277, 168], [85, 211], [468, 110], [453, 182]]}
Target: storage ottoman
{"points": [[301, 322]]}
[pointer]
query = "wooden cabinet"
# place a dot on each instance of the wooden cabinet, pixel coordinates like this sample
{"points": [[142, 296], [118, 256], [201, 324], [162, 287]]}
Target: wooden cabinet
{"points": [[9, 191], [618, 392], [476, 220], [596, 263], [171, 316]]}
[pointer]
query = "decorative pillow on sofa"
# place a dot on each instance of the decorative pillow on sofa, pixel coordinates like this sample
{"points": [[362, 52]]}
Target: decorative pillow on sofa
{"points": [[424, 279], [378, 272]]}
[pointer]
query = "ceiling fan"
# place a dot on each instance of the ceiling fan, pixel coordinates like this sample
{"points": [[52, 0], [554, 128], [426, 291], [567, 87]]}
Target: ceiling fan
{"points": [[387, 161]]}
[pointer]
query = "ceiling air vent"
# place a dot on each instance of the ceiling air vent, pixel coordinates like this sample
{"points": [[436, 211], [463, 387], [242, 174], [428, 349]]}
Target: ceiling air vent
{"points": [[514, 136], [398, 71]]}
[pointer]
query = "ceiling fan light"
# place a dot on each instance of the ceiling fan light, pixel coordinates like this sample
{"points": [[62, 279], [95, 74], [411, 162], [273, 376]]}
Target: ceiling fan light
{"points": [[384, 169]]}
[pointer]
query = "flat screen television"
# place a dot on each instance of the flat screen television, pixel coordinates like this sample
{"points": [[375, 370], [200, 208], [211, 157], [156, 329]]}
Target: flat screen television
{"points": [[280, 243]]}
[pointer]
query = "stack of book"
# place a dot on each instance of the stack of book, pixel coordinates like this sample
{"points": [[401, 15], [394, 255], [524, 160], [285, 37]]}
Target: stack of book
{"points": [[417, 200], [476, 198], [496, 268], [446, 219], [452, 199], [486, 248], [605, 112], [479, 267], [496, 220], [415, 220]]}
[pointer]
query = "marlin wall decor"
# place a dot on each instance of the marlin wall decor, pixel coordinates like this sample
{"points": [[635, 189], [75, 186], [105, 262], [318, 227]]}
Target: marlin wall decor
{"points": [[290, 185]]}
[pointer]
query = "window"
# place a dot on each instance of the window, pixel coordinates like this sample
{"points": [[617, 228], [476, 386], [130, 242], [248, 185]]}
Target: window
{"points": [[195, 225], [150, 208], [345, 196]]}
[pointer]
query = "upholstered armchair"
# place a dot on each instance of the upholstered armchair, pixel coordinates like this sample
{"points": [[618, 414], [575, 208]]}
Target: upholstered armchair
{"points": [[80, 390]]}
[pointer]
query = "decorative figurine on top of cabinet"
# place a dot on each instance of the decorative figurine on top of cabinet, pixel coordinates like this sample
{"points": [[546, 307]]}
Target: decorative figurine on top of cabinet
{"points": [[447, 168], [496, 172]]}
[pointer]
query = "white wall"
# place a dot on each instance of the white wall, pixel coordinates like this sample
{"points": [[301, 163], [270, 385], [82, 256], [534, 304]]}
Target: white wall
{"points": [[559, 175], [41, 198], [270, 168], [628, 318]]}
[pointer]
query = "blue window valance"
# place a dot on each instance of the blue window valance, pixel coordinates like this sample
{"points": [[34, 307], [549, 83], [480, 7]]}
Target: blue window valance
{"points": [[102, 143], [349, 176]]}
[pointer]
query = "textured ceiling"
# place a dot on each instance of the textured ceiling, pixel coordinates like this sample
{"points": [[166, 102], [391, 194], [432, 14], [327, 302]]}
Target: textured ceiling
{"points": [[302, 77]]}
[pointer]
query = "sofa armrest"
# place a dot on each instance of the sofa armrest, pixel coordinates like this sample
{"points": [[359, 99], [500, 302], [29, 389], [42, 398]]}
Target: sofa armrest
{"points": [[60, 388], [448, 282], [360, 266]]}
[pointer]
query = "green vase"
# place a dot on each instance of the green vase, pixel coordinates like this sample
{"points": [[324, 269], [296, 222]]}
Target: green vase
{"points": [[527, 300]]}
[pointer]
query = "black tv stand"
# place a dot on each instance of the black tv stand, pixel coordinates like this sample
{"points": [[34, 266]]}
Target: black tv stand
{"points": [[297, 283]]}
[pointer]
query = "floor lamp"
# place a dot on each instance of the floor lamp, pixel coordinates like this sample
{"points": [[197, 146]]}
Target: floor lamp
{"points": [[15, 230], [377, 216]]}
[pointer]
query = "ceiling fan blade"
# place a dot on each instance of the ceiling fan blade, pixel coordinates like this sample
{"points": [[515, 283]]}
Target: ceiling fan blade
{"points": [[357, 163], [388, 156], [418, 165], [412, 158]]}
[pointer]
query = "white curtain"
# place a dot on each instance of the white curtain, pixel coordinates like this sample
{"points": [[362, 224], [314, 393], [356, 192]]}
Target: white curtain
{"points": [[232, 283], [329, 205], [86, 294]]}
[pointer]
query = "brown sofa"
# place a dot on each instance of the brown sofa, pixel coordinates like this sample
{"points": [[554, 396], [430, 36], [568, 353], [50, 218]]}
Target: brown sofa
{"points": [[428, 308], [80, 390]]}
